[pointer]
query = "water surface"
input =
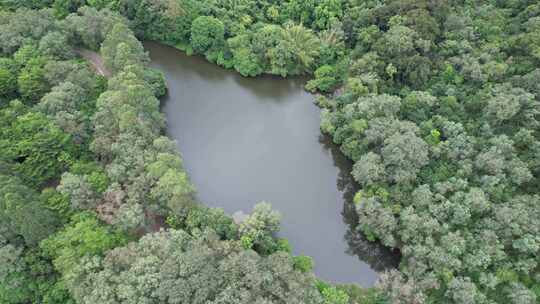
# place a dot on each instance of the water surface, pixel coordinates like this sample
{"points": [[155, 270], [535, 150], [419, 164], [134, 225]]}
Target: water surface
{"points": [[246, 140]]}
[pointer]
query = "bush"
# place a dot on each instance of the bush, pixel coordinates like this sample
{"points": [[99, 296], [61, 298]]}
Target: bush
{"points": [[303, 263], [326, 80]]}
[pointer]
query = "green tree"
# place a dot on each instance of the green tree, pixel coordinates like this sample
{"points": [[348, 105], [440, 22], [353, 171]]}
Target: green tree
{"points": [[22, 213], [15, 284], [206, 268], [39, 149], [8, 84], [32, 83], [260, 228], [156, 80], [326, 79], [62, 8], [84, 236], [79, 191], [24, 27], [295, 51], [9, 71], [121, 49], [89, 27], [207, 33], [54, 44], [174, 190], [327, 11], [245, 60]]}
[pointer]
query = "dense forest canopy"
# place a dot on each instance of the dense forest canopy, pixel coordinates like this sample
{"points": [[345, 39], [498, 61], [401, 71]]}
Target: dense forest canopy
{"points": [[436, 102]]}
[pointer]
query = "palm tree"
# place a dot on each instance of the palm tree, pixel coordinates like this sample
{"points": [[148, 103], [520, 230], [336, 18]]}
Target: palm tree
{"points": [[302, 45]]}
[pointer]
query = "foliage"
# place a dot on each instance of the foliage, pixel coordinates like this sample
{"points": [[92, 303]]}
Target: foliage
{"points": [[326, 79], [332, 294], [84, 236], [89, 27], [8, 79], [121, 49], [259, 228], [54, 45], [102, 146], [436, 125], [39, 149], [207, 33], [62, 8], [57, 203], [303, 263], [156, 80], [15, 285], [172, 267], [31, 81], [27, 277], [24, 27], [22, 213], [438, 111], [201, 218]]}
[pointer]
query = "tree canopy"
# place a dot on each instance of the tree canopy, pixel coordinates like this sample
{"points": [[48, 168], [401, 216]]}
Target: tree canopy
{"points": [[435, 102]]}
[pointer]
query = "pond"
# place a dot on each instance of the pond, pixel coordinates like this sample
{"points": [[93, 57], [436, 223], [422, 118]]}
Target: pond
{"points": [[246, 140]]}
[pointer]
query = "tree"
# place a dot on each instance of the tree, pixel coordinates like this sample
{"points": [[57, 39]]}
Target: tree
{"points": [[326, 79], [118, 116], [84, 236], [22, 213], [260, 227], [299, 11], [245, 60], [14, 282], [207, 33], [121, 49], [369, 170], [54, 45], [156, 80], [397, 41], [399, 290], [89, 26], [62, 8], [64, 97], [331, 294], [8, 83], [32, 83], [190, 269], [39, 149], [174, 190], [81, 76], [65, 105], [404, 155], [8, 78], [326, 12], [79, 191], [295, 51], [24, 27]]}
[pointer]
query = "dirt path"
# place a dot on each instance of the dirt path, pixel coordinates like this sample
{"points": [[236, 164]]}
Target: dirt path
{"points": [[96, 61]]}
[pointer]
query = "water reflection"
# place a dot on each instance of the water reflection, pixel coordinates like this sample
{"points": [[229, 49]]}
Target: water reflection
{"points": [[379, 257], [263, 86]]}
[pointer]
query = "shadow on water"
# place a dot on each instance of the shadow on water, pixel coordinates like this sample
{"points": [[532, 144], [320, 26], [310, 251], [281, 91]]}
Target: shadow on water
{"points": [[262, 86], [379, 257], [172, 59]]}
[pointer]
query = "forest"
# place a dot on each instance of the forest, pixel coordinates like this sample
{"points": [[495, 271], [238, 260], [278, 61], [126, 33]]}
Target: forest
{"points": [[436, 102]]}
